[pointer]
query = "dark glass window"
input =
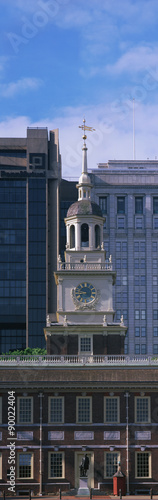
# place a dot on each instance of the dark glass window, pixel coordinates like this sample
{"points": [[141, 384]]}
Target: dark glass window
{"points": [[103, 204], [121, 205], [155, 205], [138, 205]]}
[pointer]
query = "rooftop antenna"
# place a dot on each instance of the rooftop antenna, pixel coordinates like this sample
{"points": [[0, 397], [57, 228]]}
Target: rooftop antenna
{"points": [[134, 129]]}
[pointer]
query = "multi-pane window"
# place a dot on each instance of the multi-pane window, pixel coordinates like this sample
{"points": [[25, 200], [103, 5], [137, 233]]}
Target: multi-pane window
{"points": [[142, 280], [155, 314], [137, 331], [124, 296], [155, 331], [84, 410], [118, 246], [142, 410], [154, 263], [124, 263], [125, 313], [56, 410], [154, 246], [155, 297], [25, 465], [142, 263], [136, 263], [139, 223], [103, 204], [25, 410], [124, 246], [124, 280], [111, 463], [120, 223], [136, 280], [136, 297], [143, 349], [143, 297], [154, 280], [137, 348], [86, 344], [155, 205], [155, 349], [118, 263], [136, 246], [56, 465], [138, 205], [143, 464], [142, 246], [118, 314], [143, 332], [121, 205], [137, 314], [143, 314], [111, 409]]}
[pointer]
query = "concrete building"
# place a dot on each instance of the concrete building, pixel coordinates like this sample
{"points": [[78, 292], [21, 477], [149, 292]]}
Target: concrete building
{"points": [[30, 170], [127, 192]]}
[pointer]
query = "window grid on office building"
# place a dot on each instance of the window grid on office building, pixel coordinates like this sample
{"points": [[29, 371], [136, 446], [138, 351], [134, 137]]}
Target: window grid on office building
{"points": [[84, 410], [111, 409], [56, 465], [111, 463], [142, 464], [142, 409], [56, 410], [25, 410], [25, 465]]}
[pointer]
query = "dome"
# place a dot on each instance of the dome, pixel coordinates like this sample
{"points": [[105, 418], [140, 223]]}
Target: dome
{"points": [[84, 179], [84, 207]]}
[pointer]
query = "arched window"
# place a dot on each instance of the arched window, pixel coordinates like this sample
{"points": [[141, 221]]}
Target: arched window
{"points": [[97, 236], [72, 236], [84, 235]]}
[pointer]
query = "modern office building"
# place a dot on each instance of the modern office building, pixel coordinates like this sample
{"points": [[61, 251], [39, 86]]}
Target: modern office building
{"points": [[127, 192], [30, 170]]}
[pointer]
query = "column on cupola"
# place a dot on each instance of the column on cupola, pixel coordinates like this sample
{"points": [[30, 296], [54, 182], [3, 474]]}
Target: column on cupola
{"points": [[91, 236], [78, 235], [68, 235]]}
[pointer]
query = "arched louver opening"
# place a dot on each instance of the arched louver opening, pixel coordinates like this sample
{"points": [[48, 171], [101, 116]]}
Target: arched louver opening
{"points": [[72, 236], [84, 235], [97, 236]]}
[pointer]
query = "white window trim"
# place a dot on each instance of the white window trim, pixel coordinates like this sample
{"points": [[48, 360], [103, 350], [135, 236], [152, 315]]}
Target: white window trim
{"points": [[79, 344], [49, 465], [18, 410], [149, 409], [118, 409], [32, 466], [77, 400], [118, 460], [49, 409], [150, 468]]}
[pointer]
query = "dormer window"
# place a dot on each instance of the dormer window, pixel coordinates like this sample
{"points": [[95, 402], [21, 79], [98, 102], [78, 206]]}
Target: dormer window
{"points": [[84, 235]]}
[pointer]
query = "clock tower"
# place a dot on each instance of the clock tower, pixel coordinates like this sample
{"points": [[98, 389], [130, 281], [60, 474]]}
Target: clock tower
{"points": [[85, 314]]}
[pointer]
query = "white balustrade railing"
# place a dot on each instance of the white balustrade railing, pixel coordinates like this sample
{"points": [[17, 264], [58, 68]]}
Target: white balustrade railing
{"points": [[76, 360], [84, 266]]}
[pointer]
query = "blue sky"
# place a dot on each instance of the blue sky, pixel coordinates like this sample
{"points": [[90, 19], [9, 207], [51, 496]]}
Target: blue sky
{"points": [[63, 59]]}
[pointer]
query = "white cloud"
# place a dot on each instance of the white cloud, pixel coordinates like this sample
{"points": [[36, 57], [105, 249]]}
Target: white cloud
{"points": [[20, 86], [113, 138], [135, 60]]}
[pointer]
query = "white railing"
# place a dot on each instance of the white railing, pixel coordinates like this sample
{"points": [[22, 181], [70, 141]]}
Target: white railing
{"points": [[84, 266], [77, 360]]}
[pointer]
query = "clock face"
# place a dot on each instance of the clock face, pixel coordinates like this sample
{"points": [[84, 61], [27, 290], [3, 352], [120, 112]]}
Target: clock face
{"points": [[85, 293]]}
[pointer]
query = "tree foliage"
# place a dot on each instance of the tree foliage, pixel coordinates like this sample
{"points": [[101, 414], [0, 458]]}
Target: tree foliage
{"points": [[36, 351]]}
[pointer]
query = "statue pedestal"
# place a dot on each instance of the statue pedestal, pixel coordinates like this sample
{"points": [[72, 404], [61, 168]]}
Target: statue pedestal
{"points": [[83, 488]]}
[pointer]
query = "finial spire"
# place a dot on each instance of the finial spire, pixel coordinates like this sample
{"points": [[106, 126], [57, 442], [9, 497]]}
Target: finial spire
{"points": [[84, 149]]}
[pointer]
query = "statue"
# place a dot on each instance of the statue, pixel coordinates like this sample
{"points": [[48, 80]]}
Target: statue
{"points": [[84, 466]]}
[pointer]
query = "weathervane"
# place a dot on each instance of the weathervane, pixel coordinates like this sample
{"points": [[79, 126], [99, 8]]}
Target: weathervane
{"points": [[84, 128]]}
